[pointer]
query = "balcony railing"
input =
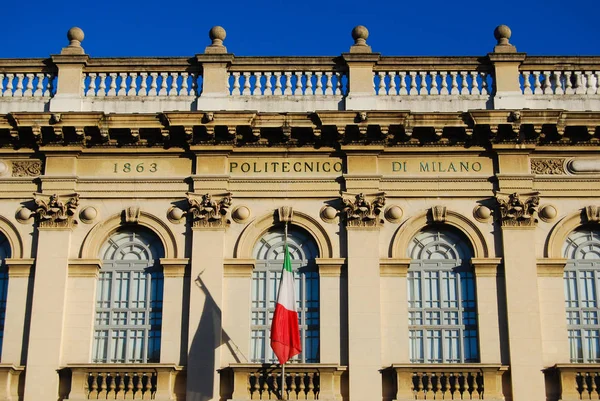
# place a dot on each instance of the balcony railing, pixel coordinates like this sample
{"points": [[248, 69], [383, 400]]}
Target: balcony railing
{"points": [[263, 382], [445, 382], [573, 382], [160, 382]]}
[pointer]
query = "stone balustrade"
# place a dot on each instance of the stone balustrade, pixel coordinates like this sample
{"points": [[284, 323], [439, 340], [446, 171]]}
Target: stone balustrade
{"points": [[358, 80], [160, 382], [446, 381], [302, 382], [573, 382]]}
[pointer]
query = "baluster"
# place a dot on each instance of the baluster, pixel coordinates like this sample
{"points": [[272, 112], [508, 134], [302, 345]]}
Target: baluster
{"points": [[143, 91], [328, 84], [429, 387], [420, 386], [537, 86], [148, 386], [319, 90], [423, 90], [153, 84], [298, 89], [246, 88], [256, 387], [547, 87], [268, 84], [275, 385], [474, 84], [112, 88], [92, 86], [184, 84], [444, 90], [464, 86], [434, 85], [287, 76], [310, 391], [121, 388], [9, 85], [29, 85], [19, 88], [309, 90], [112, 386], [295, 389], [1, 84], [101, 85], [443, 386], [257, 77], [413, 83], [236, 84], [453, 83], [381, 91], [558, 88], [597, 76], [435, 384], [129, 393], [593, 378], [392, 90], [453, 384], [50, 85], [173, 88], [589, 85], [526, 84], [338, 84], [138, 385], [265, 386], [568, 84], [277, 91], [579, 88], [163, 84], [122, 91], [402, 90], [195, 90], [484, 83], [103, 386], [249, 386], [94, 388]]}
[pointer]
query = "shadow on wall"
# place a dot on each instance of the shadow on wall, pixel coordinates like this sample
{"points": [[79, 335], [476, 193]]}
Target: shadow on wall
{"points": [[208, 337]]}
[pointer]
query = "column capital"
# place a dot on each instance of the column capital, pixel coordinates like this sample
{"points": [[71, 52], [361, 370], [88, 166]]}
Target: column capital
{"points": [[19, 267], [394, 267], [486, 267], [238, 267], [551, 267], [330, 267], [84, 267], [174, 267]]}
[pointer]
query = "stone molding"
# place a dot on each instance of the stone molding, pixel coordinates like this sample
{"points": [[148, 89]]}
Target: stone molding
{"points": [[551, 267], [562, 229], [330, 267], [486, 267], [394, 267], [19, 267], [518, 210], [174, 268], [238, 267], [84, 267]]}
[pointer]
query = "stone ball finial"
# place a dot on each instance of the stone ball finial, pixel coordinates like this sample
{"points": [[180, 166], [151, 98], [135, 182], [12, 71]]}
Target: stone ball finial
{"points": [[502, 34], [75, 36], [360, 34], [217, 34]]}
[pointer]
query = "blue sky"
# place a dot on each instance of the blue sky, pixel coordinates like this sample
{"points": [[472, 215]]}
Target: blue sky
{"points": [[310, 27]]}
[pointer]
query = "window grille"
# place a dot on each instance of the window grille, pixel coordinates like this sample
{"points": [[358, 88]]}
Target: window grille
{"points": [[4, 254], [441, 299], [129, 298], [269, 252], [581, 279]]}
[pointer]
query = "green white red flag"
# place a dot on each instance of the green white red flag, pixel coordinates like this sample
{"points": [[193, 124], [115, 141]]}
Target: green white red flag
{"points": [[285, 333]]}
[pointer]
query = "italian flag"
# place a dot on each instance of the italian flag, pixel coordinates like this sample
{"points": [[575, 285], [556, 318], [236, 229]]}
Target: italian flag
{"points": [[285, 333]]}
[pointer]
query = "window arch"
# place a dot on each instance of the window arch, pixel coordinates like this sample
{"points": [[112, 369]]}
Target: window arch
{"points": [[268, 252], [5, 253], [441, 298], [129, 299], [581, 278]]}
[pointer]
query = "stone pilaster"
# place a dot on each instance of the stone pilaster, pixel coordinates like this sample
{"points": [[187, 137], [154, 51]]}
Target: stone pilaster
{"points": [[171, 350], [330, 275]]}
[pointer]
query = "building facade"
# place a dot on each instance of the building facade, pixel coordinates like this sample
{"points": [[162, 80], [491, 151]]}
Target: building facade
{"points": [[442, 213]]}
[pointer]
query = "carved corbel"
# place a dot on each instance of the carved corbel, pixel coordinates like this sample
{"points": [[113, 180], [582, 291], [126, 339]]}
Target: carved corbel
{"points": [[189, 133], [518, 209], [317, 132], [256, 132], [592, 214], [232, 130], [362, 130], [104, 134], [438, 214], [131, 215], [360, 212], [208, 213], [285, 214], [341, 130], [56, 211], [135, 134], [80, 133], [37, 134], [14, 134], [165, 134]]}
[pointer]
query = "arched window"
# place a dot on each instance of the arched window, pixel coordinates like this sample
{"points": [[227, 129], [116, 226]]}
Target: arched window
{"points": [[441, 298], [4, 254], [129, 299], [582, 277], [268, 253]]}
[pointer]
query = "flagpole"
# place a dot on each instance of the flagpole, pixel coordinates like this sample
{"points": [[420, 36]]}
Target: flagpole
{"points": [[283, 364]]}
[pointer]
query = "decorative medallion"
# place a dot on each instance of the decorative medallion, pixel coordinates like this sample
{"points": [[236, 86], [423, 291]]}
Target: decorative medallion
{"points": [[518, 209]]}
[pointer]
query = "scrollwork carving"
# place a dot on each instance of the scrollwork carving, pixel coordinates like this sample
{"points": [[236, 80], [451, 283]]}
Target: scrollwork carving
{"points": [[548, 166], [518, 209], [26, 168], [56, 211], [207, 212], [360, 212]]}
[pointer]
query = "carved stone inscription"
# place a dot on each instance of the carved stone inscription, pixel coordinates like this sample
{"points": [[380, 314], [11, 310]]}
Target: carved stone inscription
{"points": [[465, 165]]}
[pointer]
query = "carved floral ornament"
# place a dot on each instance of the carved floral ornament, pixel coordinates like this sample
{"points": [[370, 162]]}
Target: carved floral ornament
{"points": [[360, 212], [518, 209], [56, 211], [208, 212]]}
